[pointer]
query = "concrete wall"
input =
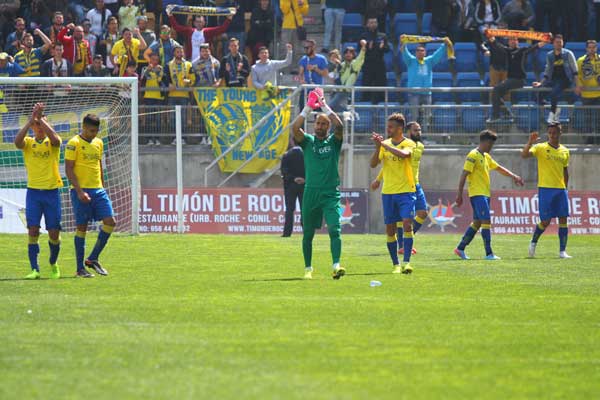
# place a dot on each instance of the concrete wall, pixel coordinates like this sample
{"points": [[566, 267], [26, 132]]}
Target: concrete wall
{"points": [[440, 170]]}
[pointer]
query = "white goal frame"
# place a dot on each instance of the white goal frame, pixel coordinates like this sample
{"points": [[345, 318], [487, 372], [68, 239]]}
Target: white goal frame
{"points": [[132, 82]]}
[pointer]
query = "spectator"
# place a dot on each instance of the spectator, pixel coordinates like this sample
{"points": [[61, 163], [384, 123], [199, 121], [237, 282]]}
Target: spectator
{"points": [[153, 82], [30, 59], [179, 76], [237, 27], [515, 75], [130, 69], [348, 74], [264, 72], [445, 18], [292, 173], [164, 47], [374, 66], [334, 18], [8, 68], [99, 16], [149, 37], [378, 9], [261, 27], [76, 48], [198, 34], [560, 74], [588, 83], [206, 67], [333, 67], [57, 66], [234, 66], [58, 23], [487, 14], [126, 50], [89, 36], [293, 12], [547, 9], [108, 40], [498, 63], [420, 74], [37, 14], [8, 12], [518, 14], [113, 6], [128, 14], [313, 66], [77, 9], [97, 69], [13, 41]]}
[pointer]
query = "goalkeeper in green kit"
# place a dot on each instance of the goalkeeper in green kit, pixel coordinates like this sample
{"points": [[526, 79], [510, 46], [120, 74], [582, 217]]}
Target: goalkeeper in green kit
{"points": [[321, 191]]}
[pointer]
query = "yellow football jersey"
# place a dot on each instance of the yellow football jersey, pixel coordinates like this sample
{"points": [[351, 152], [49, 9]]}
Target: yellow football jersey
{"points": [[479, 165], [415, 160], [397, 172], [551, 165], [87, 157], [41, 162]]}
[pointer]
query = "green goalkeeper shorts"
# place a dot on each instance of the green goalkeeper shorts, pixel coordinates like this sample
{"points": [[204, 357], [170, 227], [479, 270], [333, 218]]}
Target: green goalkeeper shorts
{"points": [[319, 203]]}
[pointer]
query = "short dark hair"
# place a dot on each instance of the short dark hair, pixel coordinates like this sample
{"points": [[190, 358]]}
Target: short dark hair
{"points": [[420, 46], [350, 49], [26, 35], [411, 124], [92, 120], [57, 44], [487, 135], [591, 41], [125, 30], [557, 36], [398, 118], [205, 46], [234, 40], [98, 57], [311, 41], [262, 48], [555, 125]]}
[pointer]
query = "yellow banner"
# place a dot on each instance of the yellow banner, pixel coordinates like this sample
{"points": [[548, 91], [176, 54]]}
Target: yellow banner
{"points": [[229, 112]]}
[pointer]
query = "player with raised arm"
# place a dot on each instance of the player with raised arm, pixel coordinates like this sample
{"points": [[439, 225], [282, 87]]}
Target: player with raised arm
{"points": [[553, 179], [414, 131], [321, 191], [41, 154], [398, 191], [83, 165], [476, 171]]}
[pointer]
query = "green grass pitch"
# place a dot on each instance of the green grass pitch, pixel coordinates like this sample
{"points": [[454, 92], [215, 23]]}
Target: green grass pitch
{"points": [[227, 317]]}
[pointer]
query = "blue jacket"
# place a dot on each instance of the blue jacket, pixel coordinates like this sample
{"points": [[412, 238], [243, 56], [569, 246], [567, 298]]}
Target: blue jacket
{"points": [[569, 64], [420, 74]]}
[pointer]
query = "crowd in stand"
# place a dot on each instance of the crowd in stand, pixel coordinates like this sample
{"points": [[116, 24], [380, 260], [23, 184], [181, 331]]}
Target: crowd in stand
{"points": [[172, 52]]}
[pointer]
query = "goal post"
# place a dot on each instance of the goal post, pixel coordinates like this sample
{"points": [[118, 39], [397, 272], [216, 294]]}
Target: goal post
{"points": [[68, 100]]}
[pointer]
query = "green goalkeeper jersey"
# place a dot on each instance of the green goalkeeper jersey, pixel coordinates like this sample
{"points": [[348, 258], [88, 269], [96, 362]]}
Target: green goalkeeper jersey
{"points": [[321, 159]]}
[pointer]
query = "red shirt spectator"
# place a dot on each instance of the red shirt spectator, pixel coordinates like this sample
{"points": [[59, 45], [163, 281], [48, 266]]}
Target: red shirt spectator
{"points": [[197, 34], [76, 48]]}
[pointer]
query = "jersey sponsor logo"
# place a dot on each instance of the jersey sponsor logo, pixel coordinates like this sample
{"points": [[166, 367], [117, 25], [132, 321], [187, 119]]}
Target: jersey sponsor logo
{"points": [[91, 156], [70, 147], [41, 154], [324, 150]]}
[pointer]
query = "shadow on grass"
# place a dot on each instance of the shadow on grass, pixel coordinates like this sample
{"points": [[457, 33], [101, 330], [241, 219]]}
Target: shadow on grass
{"points": [[274, 280], [33, 280], [369, 273]]}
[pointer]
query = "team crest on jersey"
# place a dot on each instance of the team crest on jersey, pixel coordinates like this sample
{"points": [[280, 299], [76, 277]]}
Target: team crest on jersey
{"points": [[442, 215]]}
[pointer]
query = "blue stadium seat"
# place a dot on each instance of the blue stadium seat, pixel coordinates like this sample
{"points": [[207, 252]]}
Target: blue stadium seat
{"points": [[468, 79], [473, 119], [444, 119], [578, 48], [426, 24], [364, 117], [443, 65], [466, 57], [442, 79], [352, 27], [405, 24], [527, 116]]}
